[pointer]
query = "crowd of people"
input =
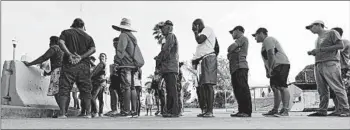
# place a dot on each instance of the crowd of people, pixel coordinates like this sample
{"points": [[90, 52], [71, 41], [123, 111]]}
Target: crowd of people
{"points": [[73, 65]]}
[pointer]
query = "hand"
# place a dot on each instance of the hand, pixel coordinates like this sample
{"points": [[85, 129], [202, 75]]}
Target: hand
{"points": [[313, 52], [26, 63], [268, 75], [74, 58], [195, 28]]}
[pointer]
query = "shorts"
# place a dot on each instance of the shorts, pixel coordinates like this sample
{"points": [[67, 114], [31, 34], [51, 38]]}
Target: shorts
{"points": [[79, 74], [209, 68], [280, 75], [125, 79]]}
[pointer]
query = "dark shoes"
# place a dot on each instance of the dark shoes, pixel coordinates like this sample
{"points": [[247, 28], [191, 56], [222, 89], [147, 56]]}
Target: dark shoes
{"points": [[241, 115], [283, 112], [271, 113], [200, 115], [170, 115], [208, 114]]}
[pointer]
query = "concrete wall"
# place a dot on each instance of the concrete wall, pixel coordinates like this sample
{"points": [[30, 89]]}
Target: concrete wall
{"points": [[27, 86]]}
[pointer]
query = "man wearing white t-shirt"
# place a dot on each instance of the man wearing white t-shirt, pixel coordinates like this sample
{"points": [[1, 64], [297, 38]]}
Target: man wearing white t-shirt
{"points": [[205, 56]]}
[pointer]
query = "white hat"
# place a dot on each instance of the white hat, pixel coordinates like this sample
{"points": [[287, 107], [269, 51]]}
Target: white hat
{"points": [[124, 24], [315, 22]]}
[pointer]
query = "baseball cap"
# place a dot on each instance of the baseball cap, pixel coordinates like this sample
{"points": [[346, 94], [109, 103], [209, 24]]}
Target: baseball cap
{"points": [[264, 30], [168, 22], [240, 28], [313, 23]]}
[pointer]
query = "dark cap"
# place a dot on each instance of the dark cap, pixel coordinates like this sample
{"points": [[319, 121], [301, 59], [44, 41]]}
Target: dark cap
{"points": [[239, 28], [168, 22], [263, 30], [78, 22]]}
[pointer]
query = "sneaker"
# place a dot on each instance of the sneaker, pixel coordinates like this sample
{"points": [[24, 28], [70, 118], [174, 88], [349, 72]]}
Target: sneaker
{"points": [[156, 113], [62, 117], [93, 115], [243, 115], [87, 116], [318, 114], [283, 112], [208, 114], [344, 114], [335, 113], [234, 114], [200, 115], [270, 113], [101, 115]]}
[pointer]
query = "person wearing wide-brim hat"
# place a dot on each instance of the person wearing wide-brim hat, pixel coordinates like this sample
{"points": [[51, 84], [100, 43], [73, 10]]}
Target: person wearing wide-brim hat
{"points": [[125, 55], [125, 25]]}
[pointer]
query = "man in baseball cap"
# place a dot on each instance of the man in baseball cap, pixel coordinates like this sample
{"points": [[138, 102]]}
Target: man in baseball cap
{"points": [[277, 69], [169, 68], [317, 22], [237, 54], [328, 68]]}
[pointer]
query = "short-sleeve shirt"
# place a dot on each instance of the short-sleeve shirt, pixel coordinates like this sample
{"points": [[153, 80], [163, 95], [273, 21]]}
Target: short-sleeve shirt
{"points": [[238, 57], [345, 55], [280, 56], [329, 38], [76, 41], [208, 46]]}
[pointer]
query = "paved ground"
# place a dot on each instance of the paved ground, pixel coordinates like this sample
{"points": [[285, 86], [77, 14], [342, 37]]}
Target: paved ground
{"points": [[222, 120]]}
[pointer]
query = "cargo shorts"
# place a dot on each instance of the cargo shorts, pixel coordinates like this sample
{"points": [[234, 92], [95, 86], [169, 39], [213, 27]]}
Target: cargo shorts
{"points": [[79, 74]]}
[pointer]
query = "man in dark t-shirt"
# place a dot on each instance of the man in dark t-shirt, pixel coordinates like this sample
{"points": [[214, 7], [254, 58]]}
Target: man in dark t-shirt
{"points": [[77, 46]]}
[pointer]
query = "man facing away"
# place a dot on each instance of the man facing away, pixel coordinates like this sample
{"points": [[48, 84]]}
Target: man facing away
{"points": [[328, 68], [277, 69], [77, 46], [205, 56], [237, 54]]}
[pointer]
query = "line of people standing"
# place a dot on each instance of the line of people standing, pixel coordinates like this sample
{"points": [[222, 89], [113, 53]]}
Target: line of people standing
{"points": [[75, 46]]}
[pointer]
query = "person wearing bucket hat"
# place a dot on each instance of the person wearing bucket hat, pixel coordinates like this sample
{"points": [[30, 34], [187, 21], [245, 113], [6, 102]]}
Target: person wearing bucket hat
{"points": [[77, 46], [277, 69], [237, 54], [206, 57], [327, 68], [128, 54], [169, 68]]}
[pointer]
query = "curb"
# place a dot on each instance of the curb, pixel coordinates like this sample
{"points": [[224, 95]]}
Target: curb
{"points": [[31, 112]]}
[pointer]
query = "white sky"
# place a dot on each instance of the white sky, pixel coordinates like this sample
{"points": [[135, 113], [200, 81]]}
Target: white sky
{"points": [[34, 22]]}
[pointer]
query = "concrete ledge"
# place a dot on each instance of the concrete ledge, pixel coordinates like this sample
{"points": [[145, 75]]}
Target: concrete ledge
{"points": [[31, 112]]}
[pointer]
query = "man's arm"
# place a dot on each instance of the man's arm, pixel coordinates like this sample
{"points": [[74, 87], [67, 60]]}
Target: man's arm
{"points": [[64, 47], [270, 58], [91, 51], [338, 46], [97, 69], [43, 58], [122, 44], [200, 38]]}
